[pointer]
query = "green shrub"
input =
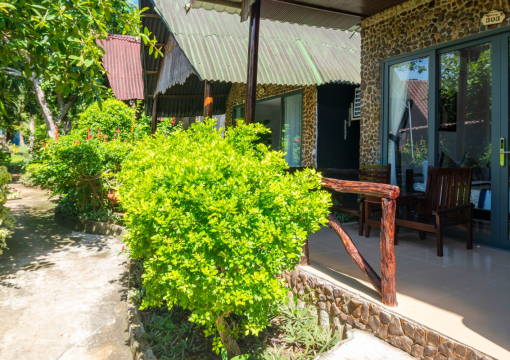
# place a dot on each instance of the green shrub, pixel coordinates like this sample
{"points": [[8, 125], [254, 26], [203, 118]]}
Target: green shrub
{"points": [[109, 118], [81, 172], [5, 156], [215, 219], [6, 219]]}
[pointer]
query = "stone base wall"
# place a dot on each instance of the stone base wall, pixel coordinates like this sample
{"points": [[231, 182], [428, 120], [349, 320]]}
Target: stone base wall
{"points": [[237, 96], [413, 25], [344, 310]]}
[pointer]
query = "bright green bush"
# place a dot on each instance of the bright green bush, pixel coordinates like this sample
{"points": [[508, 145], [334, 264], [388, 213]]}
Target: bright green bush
{"points": [[6, 219], [109, 118], [215, 219]]}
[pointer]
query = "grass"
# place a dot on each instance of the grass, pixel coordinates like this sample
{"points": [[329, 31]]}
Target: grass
{"points": [[292, 335], [16, 159]]}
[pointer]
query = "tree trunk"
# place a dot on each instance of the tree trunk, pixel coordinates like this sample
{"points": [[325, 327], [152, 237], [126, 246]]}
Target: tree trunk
{"points": [[43, 104], [21, 138], [48, 116], [64, 109], [227, 340], [32, 132]]}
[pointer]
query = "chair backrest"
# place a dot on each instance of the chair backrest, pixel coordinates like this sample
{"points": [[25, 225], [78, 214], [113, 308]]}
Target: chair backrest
{"points": [[447, 187], [376, 173]]}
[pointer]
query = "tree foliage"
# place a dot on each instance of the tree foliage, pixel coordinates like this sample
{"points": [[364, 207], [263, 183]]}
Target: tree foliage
{"points": [[57, 39], [215, 220], [6, 219], [110, 117]]}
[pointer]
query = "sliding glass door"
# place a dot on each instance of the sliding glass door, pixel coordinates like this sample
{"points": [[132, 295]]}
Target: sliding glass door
{"points": [[448, 106]]}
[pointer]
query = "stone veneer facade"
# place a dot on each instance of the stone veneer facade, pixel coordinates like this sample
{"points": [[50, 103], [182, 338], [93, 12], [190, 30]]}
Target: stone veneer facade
{"points": [[343, 310], [413, 25], [237, 96]]}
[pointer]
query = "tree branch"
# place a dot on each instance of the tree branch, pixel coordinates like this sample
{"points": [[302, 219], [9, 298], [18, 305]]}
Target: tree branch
{"points": [[64, 107]]}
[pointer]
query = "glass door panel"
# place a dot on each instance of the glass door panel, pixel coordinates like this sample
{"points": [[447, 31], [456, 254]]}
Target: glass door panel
{"points": [[408, 123], [464, 137]]}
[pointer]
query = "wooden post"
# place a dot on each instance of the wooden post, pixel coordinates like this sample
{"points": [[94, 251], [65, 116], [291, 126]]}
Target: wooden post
{"points": [[305, 260], [253, 58], [208, 99], [388, 282], [154, 122]]}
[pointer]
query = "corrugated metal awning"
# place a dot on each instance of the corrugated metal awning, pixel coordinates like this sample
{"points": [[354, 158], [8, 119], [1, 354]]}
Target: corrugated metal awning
{"points": [[216, 45]]}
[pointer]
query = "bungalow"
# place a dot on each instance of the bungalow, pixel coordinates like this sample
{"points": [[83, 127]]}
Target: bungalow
{"points": [[308, 89], [434, 91]]}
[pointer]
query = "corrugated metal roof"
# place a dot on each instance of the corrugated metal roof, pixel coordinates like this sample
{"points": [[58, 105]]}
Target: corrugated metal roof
{"points": [[216, 44], [123, 63], [334, 14]]}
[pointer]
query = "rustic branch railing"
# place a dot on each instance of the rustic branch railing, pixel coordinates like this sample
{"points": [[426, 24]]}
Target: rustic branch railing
{"points": [[386, 284]]}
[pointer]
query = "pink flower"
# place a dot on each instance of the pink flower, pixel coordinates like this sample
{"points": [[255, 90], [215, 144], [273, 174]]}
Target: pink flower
{"points": [[118, 130], [173, 122], [174, 118], [297, 140]]}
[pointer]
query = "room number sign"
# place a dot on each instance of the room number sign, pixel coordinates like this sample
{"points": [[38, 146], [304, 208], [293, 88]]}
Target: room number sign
{"points": [[493, 17]]}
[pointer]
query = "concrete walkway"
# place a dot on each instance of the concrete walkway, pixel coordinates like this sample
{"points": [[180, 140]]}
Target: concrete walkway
{"points": [[62, 293]]}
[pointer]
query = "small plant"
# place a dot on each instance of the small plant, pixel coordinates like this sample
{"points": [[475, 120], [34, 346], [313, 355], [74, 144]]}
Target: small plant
{"points": [[14, 194], [6, 219]]}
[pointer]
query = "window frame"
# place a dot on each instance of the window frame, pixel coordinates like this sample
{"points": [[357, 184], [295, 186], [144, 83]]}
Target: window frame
{"points": [[281, 97]]}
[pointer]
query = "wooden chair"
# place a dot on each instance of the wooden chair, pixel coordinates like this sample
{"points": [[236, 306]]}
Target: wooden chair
{"points": [[368, 173], [446, 203]]}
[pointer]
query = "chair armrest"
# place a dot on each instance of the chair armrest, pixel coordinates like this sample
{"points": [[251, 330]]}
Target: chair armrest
{"points": [[456, 208]]}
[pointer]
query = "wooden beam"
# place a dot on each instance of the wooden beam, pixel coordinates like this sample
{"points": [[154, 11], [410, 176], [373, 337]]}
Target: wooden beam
{"points": [[154, 120], [362, 188], [158, 44], [151, 72], [156, 16], [208, 99], [189, 96], [253, 58], [221, 2], [321, 8]]}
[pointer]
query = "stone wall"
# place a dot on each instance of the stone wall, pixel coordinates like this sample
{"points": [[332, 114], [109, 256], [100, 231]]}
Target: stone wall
{"points": [[413, 25], [237, 96], [339, 308]]}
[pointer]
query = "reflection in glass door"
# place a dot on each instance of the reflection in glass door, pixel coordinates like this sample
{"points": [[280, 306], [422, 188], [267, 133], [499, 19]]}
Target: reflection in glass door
{"points": [[464, 137]]}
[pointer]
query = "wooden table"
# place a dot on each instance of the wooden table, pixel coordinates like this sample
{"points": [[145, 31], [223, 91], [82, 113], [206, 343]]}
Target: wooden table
{"points": [[405, 198]]}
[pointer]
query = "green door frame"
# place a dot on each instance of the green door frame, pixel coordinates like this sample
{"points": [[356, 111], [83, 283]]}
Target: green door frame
{"points": [[499, 38]]}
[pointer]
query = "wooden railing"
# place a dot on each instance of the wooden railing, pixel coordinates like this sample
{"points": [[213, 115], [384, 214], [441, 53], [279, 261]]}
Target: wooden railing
{"points": [[385, 285]]}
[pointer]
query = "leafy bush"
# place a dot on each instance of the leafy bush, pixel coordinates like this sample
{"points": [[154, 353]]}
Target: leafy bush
{"points": [[5, 156], [81, 172], [6, 219], [214, 220], [110, 116]]}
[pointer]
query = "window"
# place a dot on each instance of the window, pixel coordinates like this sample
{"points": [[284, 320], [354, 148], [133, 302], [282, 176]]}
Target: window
{"points": [[284, 116], [408, 121]]}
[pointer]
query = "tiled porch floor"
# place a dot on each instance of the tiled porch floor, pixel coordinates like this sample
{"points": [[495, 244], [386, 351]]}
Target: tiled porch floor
{"points": [[464, 295]]}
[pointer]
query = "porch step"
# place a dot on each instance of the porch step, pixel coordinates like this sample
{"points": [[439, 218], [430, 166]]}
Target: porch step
{"points": [[361, 345]]}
